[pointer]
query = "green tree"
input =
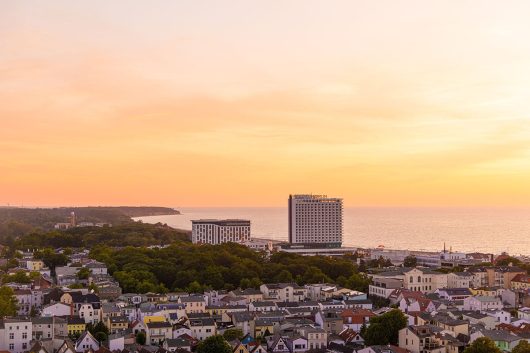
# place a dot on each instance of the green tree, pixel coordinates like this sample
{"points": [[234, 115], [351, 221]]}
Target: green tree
{"points": [[315, 275], [362, 331], [83, 273], [255, 283], [410, 261], [384, 329], [94, 287], [233, 334], [214, 344], [362, 266], [100, 336], [51, 258], [359, 282], [283, 277], [482, 345], [194, 287], [376, 334], [379, 263], [522, 347], [17, 277], [140, 338], [245, 283], [99, 327], [8, 302], [509, 260]]}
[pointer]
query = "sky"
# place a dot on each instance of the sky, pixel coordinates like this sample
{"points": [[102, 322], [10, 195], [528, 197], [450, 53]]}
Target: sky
{"points": [[240, 103]]}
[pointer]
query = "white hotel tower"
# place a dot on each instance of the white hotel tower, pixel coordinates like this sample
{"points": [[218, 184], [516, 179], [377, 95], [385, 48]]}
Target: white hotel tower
{"points": [[315, 220], [217, 231]]}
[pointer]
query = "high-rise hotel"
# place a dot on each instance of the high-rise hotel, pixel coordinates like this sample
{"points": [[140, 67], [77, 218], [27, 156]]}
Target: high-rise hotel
{"points": [[218, 231], [315, 220]]}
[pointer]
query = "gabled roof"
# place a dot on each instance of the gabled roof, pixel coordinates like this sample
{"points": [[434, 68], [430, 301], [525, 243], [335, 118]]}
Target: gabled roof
{"points": [[158, 324], [356, 316], [75, 320], [261, 304], [456, 291], [192, 299], [521, 278], [248, 291], [118, 319], [84, 335], [277, 340], [348, 335], [499, 335], [255, 347], [242, 316], [67, 346], [178, 342], [202, 322], [38, 347]]}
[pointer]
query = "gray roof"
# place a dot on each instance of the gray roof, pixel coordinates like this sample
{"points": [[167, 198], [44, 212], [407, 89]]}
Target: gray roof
{"points": [[457, 291], [177, 342], [158, 324], [42, 320], [261, 304], [192, 298], [202, 322], [500, 335]]}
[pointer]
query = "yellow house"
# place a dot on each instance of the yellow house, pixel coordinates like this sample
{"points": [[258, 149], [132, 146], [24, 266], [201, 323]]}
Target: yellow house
{"points": [[35, 265], [154, 318], [117, 323], [452, 325], [261, 326], [67, 298], [75, 326], [521, 282], [224, 310], [240, 348], [487, 292], [216, 310]]}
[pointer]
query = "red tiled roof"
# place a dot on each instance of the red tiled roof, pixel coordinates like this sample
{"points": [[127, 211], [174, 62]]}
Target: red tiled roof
{"points": [[397, 349], [521, 278]]}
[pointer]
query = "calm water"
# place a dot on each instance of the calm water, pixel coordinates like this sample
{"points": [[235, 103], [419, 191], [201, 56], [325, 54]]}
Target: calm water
{"points": [[464, 229]]}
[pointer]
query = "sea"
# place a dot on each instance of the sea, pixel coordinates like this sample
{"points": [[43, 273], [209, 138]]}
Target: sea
{"points": [[489, 230]]}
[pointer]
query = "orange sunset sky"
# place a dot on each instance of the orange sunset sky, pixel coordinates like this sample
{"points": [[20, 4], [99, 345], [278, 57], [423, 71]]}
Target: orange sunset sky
{"points": [[239, 103]]}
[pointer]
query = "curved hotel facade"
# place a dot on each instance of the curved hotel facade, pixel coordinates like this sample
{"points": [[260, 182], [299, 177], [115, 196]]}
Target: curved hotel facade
{"points": [[215, 231]]}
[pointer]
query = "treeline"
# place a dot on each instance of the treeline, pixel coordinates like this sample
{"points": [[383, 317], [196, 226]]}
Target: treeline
{"points": [[15, 222], [129, 234], [191, 267]]}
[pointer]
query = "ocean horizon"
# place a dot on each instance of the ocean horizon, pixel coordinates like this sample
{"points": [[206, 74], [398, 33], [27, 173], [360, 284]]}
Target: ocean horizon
{"points": [[466, 229]]}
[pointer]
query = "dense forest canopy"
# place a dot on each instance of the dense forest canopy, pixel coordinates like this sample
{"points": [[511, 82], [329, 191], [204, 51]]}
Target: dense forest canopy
{"points": [[192, 267], [16, 222], [129, 234]]}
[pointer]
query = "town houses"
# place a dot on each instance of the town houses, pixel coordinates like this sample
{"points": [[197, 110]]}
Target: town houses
{"points": [[445, 311]]}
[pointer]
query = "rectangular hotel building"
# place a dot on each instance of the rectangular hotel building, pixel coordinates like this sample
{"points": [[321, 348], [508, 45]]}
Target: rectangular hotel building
{"points": [[315, 220]]}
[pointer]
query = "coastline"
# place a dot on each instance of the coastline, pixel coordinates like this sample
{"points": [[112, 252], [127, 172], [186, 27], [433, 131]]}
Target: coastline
{"points": [[462, 231]]}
